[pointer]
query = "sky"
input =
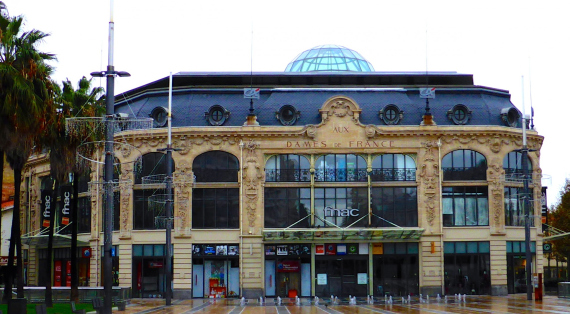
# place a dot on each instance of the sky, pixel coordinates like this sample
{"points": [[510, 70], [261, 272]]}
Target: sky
{"points": [[499, 42]]}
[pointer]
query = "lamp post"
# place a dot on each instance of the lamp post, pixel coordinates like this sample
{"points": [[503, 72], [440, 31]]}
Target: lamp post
{"points": [[108, 170], [526, 203]]}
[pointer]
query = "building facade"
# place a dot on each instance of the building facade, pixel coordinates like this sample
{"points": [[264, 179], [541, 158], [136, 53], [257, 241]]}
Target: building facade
{"points": [[336, 183]]}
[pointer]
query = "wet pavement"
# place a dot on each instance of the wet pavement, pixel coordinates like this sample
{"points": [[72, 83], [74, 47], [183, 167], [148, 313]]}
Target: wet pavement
{"points": [[471, 304]]}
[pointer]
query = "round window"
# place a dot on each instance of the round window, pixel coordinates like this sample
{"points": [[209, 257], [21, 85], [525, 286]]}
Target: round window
{"points": [[510, 117], [288, 115], [159, 116], [391, 114], [459, 114], [217, 115]]}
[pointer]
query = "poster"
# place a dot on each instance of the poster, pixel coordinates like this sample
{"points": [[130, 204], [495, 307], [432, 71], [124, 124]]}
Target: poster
{"points": [[353, 249], [362, 278], [330, 249], [320, 249], [233, 250], [321, 279], [341, 249], [282, 250], [270, 250]]}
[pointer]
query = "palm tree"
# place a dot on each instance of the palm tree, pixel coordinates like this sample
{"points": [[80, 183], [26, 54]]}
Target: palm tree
{"points": [[83, 102], [26, 99]]}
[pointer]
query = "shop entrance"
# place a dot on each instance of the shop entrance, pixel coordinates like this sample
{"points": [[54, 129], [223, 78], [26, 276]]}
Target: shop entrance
{"points": [[516, 273], [342, 276], [215, 271]]}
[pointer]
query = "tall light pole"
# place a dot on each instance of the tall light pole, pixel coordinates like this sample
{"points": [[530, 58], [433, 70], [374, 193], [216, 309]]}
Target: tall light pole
{"points": [[526, 204], [108, 170]]}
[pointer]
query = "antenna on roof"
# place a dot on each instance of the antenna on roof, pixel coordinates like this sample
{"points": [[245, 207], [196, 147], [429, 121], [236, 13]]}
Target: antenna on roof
{"points": [[427, 92], [251, 92], [530, 94]]}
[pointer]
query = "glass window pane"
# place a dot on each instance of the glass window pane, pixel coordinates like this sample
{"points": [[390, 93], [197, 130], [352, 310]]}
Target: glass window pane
{"points": [[137, 250], [449, 247], [459, 212], [484, 247], [148, 250], [472, 247], [460, 247], [483, 212], [400, 248], [389, 248], [509, 247], [413, 248], [471, 212], [158, 250]]}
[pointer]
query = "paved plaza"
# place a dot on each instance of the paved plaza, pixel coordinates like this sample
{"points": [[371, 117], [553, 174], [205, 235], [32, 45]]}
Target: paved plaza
{"points": [[472, 304]]}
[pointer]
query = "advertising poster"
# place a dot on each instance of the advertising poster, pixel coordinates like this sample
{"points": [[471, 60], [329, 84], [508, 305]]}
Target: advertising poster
{"points": [[330, 249], [377, 248], [270, 250], [282, 250], [65, 204], [362, 278], [233, 250], [320, 249], [353, 249], [45, 209], [341, 249], [288, 266], [321, 279]]}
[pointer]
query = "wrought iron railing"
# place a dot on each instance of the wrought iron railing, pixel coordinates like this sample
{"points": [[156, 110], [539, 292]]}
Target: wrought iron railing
{"points": [[341, 175], [213, 175], [287, 175], [393, 174], [464, 174]]}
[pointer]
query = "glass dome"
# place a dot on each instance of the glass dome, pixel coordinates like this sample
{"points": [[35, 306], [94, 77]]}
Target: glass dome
{"points": [[329, 58]]}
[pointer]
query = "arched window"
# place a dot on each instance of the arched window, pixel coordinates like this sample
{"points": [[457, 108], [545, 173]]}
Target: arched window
{"points": [[464, 165], [512, 164], [216, 166], [393, 167], [287, 168], [340, 168], [149, 192]]}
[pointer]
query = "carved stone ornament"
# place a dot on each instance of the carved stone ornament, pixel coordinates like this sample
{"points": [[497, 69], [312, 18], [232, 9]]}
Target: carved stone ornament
{"points": [[371, 131], [494, 173], [429, 174], [183, 181], [126, 188], [340, 107], [252, 176]]}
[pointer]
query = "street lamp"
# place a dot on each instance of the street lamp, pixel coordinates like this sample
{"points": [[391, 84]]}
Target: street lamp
{"points": [[108, 170]]}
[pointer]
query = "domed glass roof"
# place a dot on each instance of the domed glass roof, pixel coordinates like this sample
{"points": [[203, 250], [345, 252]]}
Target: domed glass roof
{"points": [[329, 58]]}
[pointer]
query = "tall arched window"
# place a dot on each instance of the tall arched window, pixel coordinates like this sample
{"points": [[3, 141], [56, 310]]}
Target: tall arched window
{"points": [[149, 191], [287, 168], [393, 167], [215, 206], [340, 168], [464, 165], [514, 192], [216, 166]]}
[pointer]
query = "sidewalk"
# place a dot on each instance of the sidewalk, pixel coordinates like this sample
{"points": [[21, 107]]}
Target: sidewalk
{"points": [[472, 304]]}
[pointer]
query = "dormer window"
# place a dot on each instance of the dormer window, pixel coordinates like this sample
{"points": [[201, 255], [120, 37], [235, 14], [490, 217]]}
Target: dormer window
{"points": [[287, 115], [216, 115], [391, 115], [159, 116], [459, 114]]}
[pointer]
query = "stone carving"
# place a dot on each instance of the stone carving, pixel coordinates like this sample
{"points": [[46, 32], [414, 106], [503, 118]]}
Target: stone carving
{"points": [[340, 107], [182, 144], [494, 173], [183, 180], [252, 176], [429, 174], [310, 130], [371, 131], [126, 188]]}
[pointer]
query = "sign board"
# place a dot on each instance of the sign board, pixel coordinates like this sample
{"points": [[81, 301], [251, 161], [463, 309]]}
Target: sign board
{"points": [[377, 248], [547, 247], [320, 249], [65, 204], [427, 92], [321, 279], [362, 278], [251, 93], [288, 266], [45, 208]]}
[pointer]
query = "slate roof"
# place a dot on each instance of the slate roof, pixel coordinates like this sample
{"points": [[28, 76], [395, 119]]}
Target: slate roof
{"points": [[195, 93]]}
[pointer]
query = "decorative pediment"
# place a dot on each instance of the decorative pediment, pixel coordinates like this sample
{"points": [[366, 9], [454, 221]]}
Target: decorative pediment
{"points": [[341, 107]]}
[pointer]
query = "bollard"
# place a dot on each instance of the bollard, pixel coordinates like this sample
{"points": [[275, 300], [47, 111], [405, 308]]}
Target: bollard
{"points": [[278, 300], [316, 300], [242, 302]]}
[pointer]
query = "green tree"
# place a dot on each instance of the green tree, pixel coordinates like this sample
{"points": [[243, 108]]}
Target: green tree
{"points": [[84, 101], [26, 100], [560, 219]]}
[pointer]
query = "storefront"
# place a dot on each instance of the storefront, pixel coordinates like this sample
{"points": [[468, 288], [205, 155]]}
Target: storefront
{"points": [[288, 270], [516, 265], [62, 267], [396, 269], [341, 269], [467, 268], [215, 270], [148, 270]]}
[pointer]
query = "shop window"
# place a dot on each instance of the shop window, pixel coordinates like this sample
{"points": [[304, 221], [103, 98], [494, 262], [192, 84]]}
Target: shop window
{"points": [[465, 206], [287, 207], [467, 268], [393, 167], [340, 168], [512, 164], [216, 166], [215, 209], [287, 168], [341, 207], [464, 165], [514, 207], [394, 206], [396, 269]]}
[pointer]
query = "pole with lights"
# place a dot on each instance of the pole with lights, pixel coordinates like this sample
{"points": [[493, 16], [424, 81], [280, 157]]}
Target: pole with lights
{"points": [[108, 169], [526, 204]]}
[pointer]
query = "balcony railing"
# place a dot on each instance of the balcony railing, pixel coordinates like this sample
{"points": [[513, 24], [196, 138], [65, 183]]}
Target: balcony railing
{"points": [[393, 174], [287, 175], [213, 175], [464, 174], [341, 175]]}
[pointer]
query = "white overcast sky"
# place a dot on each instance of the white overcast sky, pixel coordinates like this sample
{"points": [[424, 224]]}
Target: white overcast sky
{"points": [[496, 41]]}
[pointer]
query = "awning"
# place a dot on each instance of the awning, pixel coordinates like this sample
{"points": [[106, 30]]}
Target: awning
{"points": [[322, 234], [40, 239]]}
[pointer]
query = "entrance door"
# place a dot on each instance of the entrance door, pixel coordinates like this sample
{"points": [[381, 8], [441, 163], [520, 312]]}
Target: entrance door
{"points": [[198, 281], [342, 276]]}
